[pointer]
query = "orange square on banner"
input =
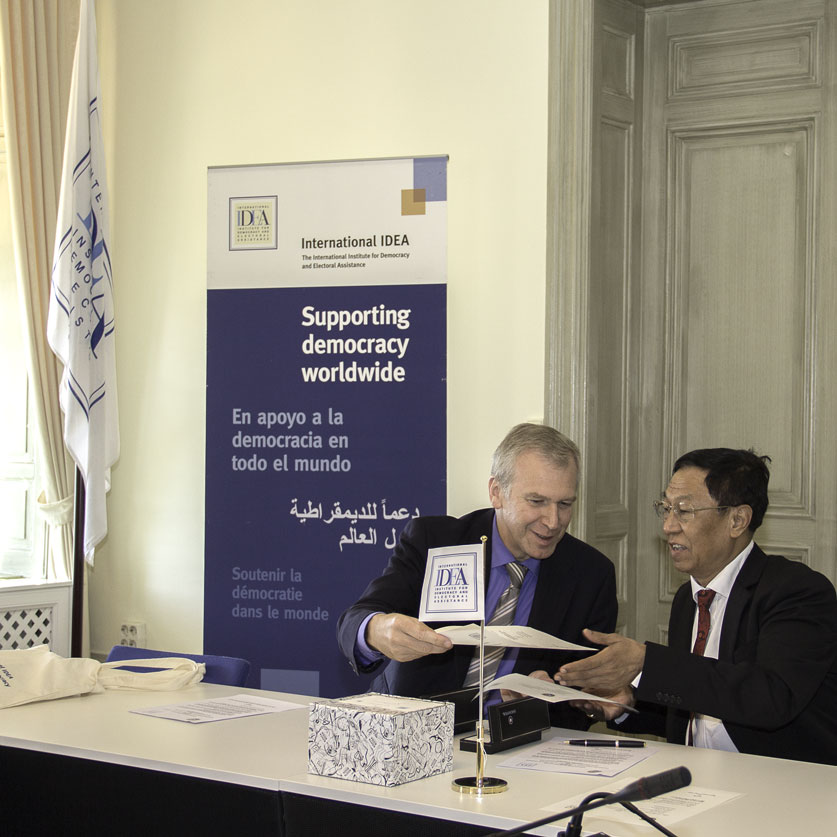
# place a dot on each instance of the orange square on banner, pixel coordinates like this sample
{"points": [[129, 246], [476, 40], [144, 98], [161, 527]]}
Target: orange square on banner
{"points": [[412, 201]]}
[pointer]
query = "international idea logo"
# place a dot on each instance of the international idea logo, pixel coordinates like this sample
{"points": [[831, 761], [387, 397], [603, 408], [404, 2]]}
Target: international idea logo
{"points": [[253, 223], [453, 584]]}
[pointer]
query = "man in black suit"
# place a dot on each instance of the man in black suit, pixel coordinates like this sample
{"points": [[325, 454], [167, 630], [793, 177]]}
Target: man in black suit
{"points": [[567, 586], [759, 673]]}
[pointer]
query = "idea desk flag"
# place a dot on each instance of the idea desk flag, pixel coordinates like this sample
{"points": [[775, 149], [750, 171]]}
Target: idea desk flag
{"points": [[80, 326], [453, 589]]}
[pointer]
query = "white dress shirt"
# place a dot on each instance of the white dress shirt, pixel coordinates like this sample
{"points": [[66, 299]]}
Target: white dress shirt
{"points": [[708, 731]]}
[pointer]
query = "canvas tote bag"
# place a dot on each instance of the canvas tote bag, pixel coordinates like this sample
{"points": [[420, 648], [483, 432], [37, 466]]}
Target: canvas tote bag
{"points": [[32, 674]]}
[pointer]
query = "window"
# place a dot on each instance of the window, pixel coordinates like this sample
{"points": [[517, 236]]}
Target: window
{"points": [[22, 533]]}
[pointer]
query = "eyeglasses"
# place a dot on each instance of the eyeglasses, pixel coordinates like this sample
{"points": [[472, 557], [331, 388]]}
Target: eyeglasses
{"points": [[682, 510]]}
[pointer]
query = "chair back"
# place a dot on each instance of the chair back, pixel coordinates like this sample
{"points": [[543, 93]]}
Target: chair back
{"points": [[227, 671]]}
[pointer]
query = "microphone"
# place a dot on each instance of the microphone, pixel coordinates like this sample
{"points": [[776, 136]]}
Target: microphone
{"points": [[644, 788], [650, 786]]}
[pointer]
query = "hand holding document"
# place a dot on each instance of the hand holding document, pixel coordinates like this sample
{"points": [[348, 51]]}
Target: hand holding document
{"points": [[545, 690], [508, 636]]}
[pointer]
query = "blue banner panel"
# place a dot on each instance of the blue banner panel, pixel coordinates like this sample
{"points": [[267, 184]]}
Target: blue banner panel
{"points": [[325, 434]]}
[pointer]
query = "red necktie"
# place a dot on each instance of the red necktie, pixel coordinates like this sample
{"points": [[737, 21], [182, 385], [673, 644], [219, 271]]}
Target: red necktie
{"points": [[704, 598]]}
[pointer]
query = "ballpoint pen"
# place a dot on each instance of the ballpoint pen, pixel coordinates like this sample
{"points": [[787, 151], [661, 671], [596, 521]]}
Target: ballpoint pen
{"points": [[605, 742]]}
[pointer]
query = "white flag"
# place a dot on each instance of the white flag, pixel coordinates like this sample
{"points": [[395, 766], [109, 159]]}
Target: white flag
{"points": [[453, 588], [80, 326]]}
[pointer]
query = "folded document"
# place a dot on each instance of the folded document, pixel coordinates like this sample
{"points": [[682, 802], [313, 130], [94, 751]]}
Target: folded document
{"points": [[508, 636], [552, 692]]}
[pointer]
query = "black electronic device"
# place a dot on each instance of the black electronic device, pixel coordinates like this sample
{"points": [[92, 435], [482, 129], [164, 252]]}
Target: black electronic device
{"points": [[465, 707], [511, 724]]}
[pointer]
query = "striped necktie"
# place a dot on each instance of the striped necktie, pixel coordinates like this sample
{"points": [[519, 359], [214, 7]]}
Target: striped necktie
{"points": [[503, 615]]}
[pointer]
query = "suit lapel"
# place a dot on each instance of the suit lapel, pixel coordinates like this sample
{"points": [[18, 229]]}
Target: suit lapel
{"points": [[680, 623], [555, 588], [682, 619], [739, 597]]}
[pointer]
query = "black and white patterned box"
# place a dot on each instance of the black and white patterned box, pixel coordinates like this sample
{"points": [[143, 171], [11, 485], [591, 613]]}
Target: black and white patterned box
{"points": [[380, 739]]}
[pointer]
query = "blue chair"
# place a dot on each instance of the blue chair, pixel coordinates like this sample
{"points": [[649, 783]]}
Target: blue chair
{"points": [[228, 671]]}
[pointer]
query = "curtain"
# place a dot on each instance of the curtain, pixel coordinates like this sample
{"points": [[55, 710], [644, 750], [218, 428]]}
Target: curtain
{"points": [[37, 43]]}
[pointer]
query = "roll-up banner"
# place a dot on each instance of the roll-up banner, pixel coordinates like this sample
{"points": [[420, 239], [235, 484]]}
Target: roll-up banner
{"points": [[325, 400]]}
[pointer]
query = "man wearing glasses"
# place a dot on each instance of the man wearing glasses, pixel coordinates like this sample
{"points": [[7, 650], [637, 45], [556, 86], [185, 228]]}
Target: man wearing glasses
{"points": [[751, 660]]}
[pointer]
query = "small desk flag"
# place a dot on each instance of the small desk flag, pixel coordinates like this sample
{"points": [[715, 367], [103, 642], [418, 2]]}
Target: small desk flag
{"points": [[453, 589]]}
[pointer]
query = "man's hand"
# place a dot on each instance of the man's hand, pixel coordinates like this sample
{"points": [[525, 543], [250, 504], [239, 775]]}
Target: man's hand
{"points": [[609, 671], [508, 694], [606, 711], [404, 638]]}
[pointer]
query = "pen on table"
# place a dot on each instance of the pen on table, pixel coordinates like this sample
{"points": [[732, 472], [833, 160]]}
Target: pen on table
{"points": [[604, 742]]}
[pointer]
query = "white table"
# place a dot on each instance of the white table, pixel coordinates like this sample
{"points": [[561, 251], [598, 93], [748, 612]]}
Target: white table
{"points": [[254, 751], [779, 797], [87, 765], [268, 754]]}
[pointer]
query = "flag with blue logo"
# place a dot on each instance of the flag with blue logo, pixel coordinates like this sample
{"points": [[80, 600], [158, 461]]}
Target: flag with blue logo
{"points": [[80, 326], [453, 589]]}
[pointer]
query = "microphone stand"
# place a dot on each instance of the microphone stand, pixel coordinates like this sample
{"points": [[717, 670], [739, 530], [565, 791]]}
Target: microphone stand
{"points": [[580, 809], [644, 788], [574, 828]]}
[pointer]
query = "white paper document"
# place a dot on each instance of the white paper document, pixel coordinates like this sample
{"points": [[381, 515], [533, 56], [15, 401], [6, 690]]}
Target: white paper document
{"points": [[386, 704], [453, 586], [508, 636], [545, 690], [668, 809], [219, 709], [556, 757]]}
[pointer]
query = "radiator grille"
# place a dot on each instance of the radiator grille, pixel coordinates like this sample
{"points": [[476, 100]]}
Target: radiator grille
{"points": [[25, 627]]}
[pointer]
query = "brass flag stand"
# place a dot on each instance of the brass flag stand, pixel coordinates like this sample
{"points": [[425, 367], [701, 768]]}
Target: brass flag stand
{"points": [[480, 784]]}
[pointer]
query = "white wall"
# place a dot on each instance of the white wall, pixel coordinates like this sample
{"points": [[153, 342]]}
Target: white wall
{"points": [[188, 84]]}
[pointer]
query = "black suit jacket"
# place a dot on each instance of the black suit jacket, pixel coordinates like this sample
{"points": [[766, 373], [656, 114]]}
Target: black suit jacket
{"points": [[576, 589], [774, 684]]}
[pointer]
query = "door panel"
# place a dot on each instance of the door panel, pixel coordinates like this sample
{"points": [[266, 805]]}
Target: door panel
{"points": [[738, 176]]}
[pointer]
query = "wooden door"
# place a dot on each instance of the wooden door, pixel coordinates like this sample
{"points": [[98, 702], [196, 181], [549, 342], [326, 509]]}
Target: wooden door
{"points": [[737, 290]]}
